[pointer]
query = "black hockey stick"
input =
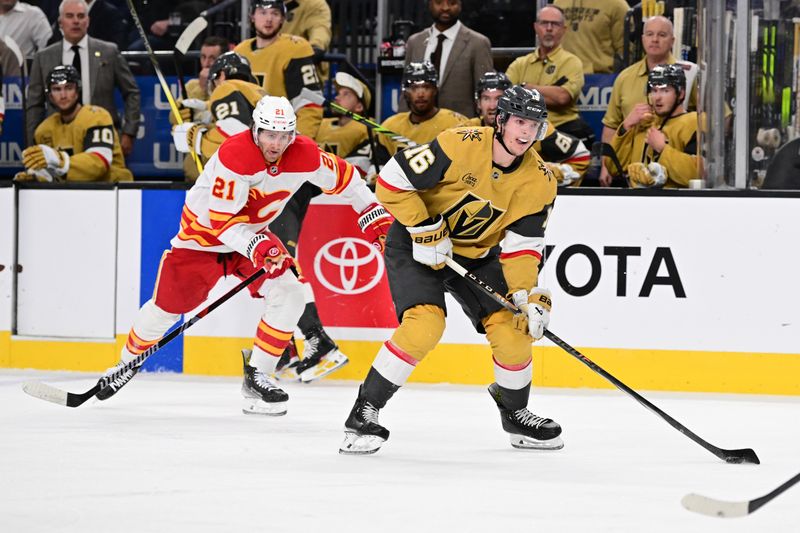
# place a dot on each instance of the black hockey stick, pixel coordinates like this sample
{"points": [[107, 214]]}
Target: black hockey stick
{"points": [[55, 395], [725, 509], [320, 100], [745, 455], [163, 82]]}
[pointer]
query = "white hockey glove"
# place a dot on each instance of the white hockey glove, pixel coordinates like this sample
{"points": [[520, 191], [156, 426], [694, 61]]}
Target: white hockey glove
{"points": [[641, 176], [188, 136], [535, 307], [564, 173], [41, 157], [431, 243], [200, 108]]}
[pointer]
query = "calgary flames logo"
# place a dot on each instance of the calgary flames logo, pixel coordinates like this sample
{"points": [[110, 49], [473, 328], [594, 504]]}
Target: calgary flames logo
{"points": [[471, 217], [263, 206]]}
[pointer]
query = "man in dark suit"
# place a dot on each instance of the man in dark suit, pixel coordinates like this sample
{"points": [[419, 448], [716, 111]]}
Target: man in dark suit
{"points": [[101, 66], [106, 23], [460, 55]]}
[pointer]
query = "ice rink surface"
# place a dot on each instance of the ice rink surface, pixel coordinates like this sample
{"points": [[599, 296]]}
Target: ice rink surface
{"points": [[174, 453]]}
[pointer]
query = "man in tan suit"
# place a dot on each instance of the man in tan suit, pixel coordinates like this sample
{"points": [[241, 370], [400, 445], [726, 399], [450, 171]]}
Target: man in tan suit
{"points": [[460, 55]]}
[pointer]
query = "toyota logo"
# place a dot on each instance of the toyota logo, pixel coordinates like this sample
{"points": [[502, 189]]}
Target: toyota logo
{"points": [[348, 256]]}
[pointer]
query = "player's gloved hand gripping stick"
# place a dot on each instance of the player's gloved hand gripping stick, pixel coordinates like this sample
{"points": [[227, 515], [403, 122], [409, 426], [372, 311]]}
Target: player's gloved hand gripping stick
{"points": [[745, 455]]}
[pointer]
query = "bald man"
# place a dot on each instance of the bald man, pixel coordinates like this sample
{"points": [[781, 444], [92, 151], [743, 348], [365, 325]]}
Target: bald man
{"points": [[628, 92]]}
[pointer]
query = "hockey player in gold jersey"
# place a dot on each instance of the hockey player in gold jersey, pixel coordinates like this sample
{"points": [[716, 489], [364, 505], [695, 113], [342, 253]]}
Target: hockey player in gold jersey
{"points": [[344, 136], [78, 143], [482, 196], [659, 148], [282, 64], [424, 120], [233, 98], [565, 155]]}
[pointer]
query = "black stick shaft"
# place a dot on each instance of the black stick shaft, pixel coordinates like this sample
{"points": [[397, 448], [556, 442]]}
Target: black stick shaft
{"points": [[732, 456]]}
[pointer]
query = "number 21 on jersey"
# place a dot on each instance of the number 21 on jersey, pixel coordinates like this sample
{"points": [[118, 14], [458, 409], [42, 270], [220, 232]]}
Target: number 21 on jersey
{"points": [[223, 189]]}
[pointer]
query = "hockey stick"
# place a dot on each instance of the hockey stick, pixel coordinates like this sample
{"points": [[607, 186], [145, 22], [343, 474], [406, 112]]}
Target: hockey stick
{"points": [[23, 68], [725, 509], [745, 455], [55, 395], [163, 82], [317, 98], [188, 36]]}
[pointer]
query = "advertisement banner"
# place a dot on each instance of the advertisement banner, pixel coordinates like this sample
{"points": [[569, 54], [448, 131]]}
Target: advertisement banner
{"points": [[348, 274]]}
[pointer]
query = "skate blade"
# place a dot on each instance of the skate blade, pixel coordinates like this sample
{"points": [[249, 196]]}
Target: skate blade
{"points": [[330, 362], [287, 374], [522, 442], [257, 406], [355, 444]]}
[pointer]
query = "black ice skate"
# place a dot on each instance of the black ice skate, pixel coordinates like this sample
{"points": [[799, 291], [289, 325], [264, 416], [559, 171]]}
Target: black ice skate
{"points": [[261, 395], [117, 383], [287, 364], [527, 430], [321, 356], [363, 434]]}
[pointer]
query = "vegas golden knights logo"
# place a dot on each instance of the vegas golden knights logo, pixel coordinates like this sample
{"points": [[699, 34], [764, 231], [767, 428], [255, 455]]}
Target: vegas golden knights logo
{"points": [[471, 217]]}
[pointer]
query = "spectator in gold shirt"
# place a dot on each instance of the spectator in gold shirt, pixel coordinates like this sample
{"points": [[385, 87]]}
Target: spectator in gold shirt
{"points": [[596, 32], [555, 73]]}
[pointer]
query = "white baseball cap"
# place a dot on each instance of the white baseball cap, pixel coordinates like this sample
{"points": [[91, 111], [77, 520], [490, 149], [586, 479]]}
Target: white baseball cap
{"points": [[343, 79]]}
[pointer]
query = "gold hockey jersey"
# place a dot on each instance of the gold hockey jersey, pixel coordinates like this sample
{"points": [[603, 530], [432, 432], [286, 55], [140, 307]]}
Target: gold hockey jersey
{"points": [[231, 105], [483, 204], [339, 139], [285, 68], [557, 147], [91, 142], [421, 133], [679, 157]]}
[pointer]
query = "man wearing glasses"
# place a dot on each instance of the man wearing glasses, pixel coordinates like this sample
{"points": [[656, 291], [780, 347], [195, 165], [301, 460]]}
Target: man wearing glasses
{"points": [[555, 73]]}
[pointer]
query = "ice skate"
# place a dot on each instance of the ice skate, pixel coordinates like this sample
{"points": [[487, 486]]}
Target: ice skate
{"points": [[287, 365], [261, 395], [120, 381], [321, 356], [363, 435], [526, 430]]}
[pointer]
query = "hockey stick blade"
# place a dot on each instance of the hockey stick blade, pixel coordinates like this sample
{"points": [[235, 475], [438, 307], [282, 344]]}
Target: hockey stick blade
{"points": [[55, 395], [190, 34], [43, 391], [724, 509], [745, 455]]}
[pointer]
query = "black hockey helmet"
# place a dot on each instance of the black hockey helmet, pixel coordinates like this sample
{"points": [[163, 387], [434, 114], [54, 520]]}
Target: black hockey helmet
{"points": [[497, 81], [61, 75], [234, 66], [521, 102], [420, 72], [276, 4], [667, 76]]}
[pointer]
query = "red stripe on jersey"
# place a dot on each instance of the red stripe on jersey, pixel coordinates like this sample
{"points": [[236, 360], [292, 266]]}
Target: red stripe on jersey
{"points": [[512, 255], [513, 368], [386, 185], [344, 174], [400, 354], [580, 158], [103, 159]]}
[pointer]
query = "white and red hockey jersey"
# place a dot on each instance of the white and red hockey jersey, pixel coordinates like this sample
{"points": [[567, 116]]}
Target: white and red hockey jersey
{"points": [[239, 193]]}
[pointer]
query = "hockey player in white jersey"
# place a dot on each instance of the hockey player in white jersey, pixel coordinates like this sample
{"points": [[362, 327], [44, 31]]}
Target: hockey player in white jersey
{"points": [[224, 231]]}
